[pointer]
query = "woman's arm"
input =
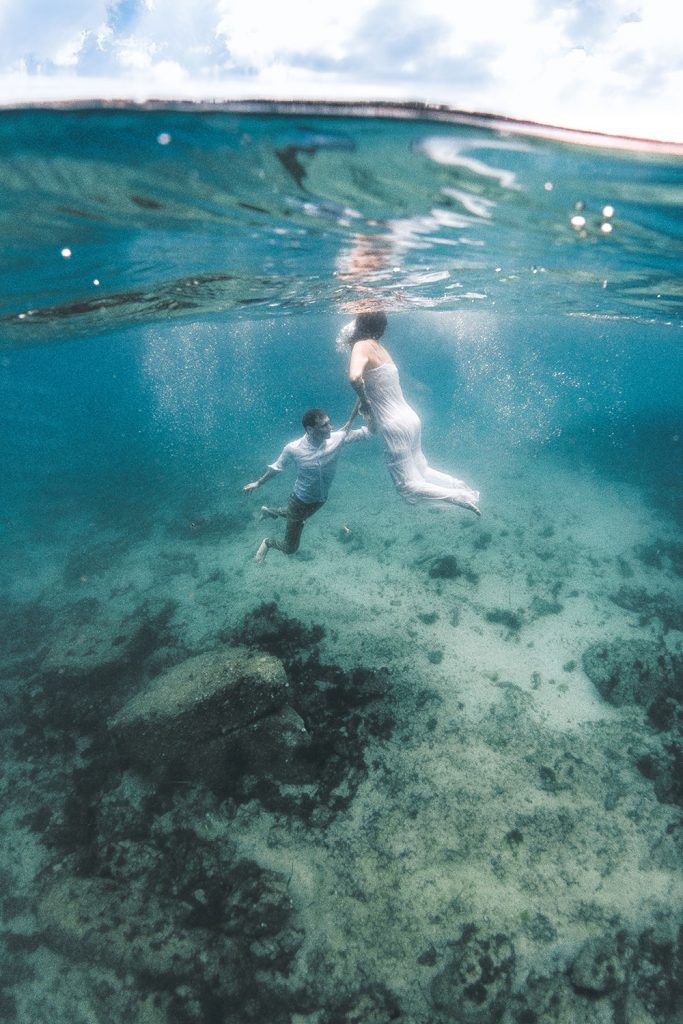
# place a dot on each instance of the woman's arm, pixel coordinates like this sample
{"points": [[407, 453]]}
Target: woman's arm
{"points": [[359, 360], [358, 363]]}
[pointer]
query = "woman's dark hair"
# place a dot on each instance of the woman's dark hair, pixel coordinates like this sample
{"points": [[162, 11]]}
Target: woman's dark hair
{"points": [[311, 417], [369, 325]]}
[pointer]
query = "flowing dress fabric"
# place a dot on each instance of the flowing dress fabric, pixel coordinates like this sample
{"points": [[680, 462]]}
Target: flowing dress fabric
{"points": [[401, 429]]}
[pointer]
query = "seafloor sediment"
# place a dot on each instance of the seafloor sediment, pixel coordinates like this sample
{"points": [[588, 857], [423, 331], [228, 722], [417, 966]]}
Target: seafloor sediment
{"points": [[426, 771]]}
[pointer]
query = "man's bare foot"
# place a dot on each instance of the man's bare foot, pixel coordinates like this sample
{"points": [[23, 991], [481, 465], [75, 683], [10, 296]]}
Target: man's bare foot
{"points": [[262, 551], [267, 513]]}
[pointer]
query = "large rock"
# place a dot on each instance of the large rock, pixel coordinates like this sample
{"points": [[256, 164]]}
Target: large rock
{"points": [[215, 717], [203, 697]]}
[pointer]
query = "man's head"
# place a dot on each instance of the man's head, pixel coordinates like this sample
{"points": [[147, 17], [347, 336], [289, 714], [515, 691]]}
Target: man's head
{"points": [[316, 423]]}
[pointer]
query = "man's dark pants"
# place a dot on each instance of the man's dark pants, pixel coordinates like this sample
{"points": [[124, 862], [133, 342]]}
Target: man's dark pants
{"points": [[296, 512]]}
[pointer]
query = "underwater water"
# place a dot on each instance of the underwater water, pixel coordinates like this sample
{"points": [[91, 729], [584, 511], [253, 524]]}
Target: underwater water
{"points": [[429, 768]]}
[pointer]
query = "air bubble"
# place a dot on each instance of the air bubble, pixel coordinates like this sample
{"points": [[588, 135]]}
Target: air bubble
{"points": [[66, 253], [163, 138]]}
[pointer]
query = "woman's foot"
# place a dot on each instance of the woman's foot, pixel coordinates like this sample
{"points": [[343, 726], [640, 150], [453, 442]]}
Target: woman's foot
{"points": [[262, 551], [463, 503]]}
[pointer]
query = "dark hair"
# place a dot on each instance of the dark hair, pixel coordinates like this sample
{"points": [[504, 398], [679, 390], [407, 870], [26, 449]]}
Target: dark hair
{"points": [[369, 325], [311, 416]]}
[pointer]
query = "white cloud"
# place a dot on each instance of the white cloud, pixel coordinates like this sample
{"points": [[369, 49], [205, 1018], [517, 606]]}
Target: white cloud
{"points": [[259, 33], [611, 66], [40, 32]]}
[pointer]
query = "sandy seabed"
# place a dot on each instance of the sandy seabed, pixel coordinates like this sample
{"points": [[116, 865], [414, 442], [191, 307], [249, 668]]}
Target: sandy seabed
{"points": [[489, 839]]}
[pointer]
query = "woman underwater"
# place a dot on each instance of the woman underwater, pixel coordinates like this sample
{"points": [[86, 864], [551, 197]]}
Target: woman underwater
{"points": [[374, 377]]}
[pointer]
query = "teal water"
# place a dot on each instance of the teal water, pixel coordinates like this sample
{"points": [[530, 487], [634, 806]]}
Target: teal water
{"points": [[492, 768]]}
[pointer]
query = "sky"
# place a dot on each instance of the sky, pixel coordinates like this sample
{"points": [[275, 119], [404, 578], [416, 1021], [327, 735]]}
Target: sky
{"points": [[612, 66]]}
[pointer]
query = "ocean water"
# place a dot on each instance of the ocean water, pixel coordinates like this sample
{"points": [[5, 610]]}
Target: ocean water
{"points": [[429, 768]]}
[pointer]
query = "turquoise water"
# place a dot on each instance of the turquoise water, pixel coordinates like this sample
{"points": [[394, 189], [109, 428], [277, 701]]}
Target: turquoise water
{"points": [[466, 800]]}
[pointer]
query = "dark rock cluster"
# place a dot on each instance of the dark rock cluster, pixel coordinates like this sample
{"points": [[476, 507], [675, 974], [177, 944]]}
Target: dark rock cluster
{"points": [[448, 567], [132, 743], [127, 748], [650, 607], [613, 977], [475, 984], [207, 937], [636, 672], [644, 673]]}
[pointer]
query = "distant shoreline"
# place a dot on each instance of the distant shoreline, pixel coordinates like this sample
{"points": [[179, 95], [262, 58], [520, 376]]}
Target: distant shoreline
{"points": [[404, 111]]}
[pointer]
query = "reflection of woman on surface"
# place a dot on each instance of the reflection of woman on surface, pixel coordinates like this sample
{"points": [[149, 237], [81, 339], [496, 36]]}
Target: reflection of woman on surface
{"points": [[374, 376]]}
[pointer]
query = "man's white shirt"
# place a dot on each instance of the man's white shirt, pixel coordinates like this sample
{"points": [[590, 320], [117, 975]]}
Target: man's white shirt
{"points": [[316, 464]]}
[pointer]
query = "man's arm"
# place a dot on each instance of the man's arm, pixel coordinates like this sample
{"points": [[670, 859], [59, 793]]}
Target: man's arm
{"points": [[261, 480], [283, 459]]}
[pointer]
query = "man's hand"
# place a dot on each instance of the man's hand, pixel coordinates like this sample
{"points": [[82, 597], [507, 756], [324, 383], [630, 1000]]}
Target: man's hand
{"points": [[261, 480]]}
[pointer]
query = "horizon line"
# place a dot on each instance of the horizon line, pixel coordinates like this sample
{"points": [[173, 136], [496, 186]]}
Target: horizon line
{"points": [[395, 109]]}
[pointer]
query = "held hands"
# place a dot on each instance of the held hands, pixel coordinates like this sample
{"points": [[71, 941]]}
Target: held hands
{"points": [[354, 413], [363, 409]]}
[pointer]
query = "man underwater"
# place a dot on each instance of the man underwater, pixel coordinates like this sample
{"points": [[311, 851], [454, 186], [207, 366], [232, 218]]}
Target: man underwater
{"points": [[315, 456]]}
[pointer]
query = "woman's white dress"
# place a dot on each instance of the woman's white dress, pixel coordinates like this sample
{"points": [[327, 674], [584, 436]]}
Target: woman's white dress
{"points": [[400, 428]]}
